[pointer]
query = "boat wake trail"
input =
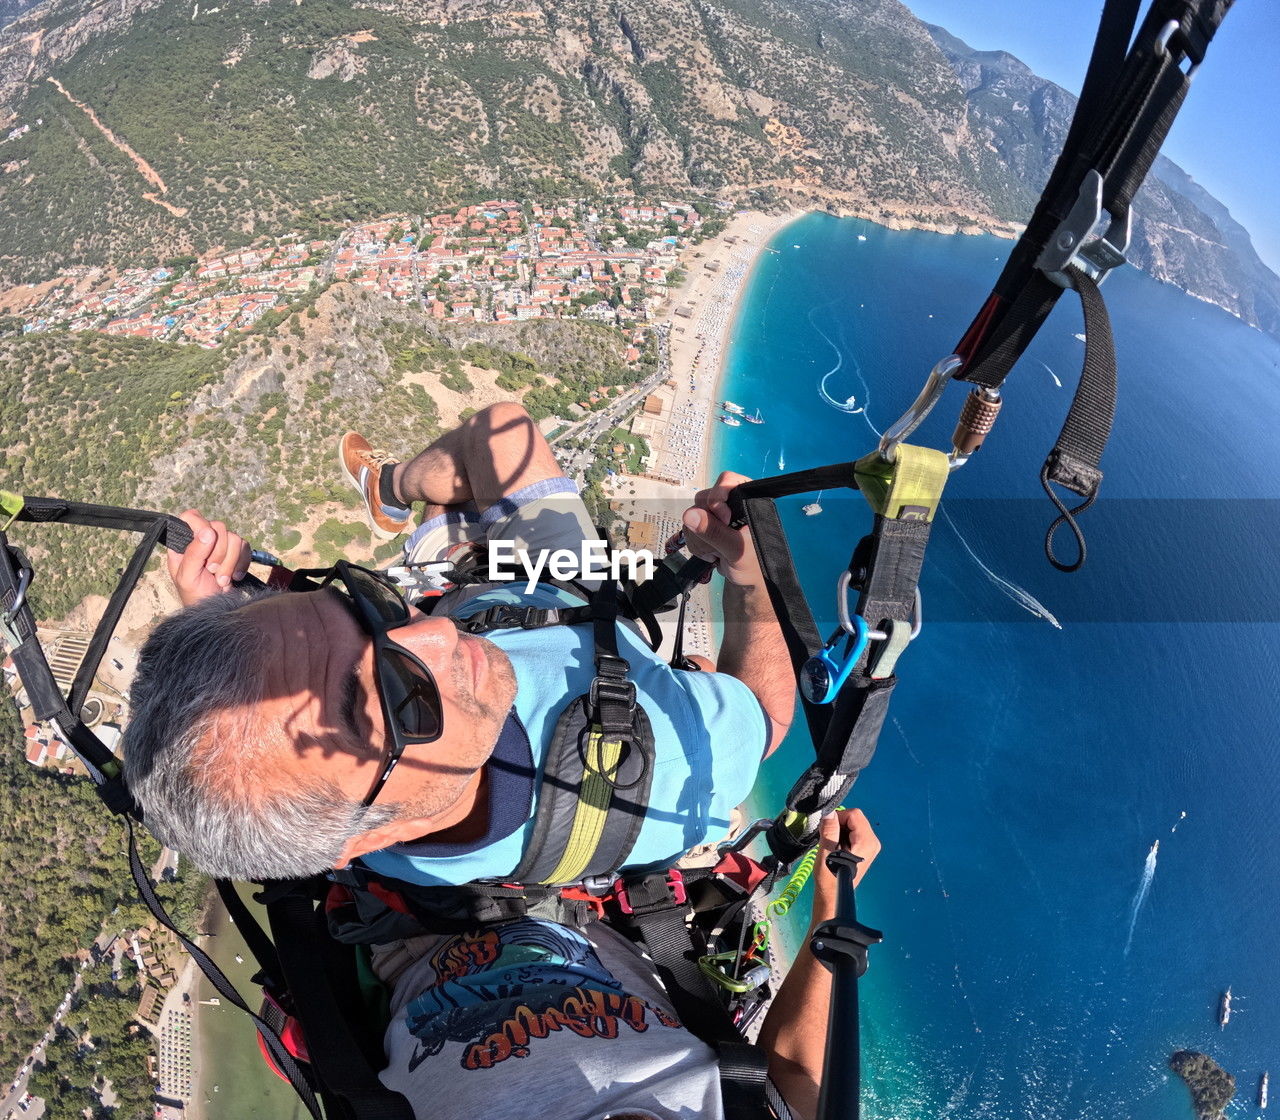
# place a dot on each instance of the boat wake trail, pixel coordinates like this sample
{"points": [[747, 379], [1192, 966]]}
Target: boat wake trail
{"points": [[1148, 873], [850, 404], [1050, 373], [1023, 598], [1181, 817]]}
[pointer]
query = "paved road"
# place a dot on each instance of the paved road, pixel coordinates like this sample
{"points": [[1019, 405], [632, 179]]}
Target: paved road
{"points": [[16, 1092], [598, 424]]}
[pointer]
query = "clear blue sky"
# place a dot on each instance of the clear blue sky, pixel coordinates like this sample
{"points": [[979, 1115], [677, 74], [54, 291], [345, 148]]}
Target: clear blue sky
{"points": [[1227, 135]]}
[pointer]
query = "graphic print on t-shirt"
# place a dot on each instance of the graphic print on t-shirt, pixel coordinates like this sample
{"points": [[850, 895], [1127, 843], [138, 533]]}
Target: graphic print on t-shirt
{"points": [[499, 990]]}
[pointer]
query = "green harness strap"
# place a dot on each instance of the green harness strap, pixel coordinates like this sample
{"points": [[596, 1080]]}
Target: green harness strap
{"points": [[594, 797], [907, 489]]}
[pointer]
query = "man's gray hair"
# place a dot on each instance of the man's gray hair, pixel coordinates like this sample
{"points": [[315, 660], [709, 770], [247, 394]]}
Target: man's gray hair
{"points": [[195, 761]]}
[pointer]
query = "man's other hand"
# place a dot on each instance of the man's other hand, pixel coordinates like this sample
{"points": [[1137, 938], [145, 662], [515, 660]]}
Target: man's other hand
{"points": [[710, 537], [215, 559], [846, 829]]}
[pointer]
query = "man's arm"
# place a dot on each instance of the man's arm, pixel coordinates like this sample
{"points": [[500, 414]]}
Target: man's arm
{"points": [[753, 649], [494, 453], [794, 1033]]}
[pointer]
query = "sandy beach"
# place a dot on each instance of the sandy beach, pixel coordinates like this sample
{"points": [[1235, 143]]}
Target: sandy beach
{"points": [[700, 314]]}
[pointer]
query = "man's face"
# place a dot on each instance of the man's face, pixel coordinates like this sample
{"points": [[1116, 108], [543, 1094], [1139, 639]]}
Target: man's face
{"points": [[320, 698]]}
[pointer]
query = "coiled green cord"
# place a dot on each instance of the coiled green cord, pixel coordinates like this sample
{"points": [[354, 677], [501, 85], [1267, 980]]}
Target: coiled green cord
{"points": [[799, 877]]}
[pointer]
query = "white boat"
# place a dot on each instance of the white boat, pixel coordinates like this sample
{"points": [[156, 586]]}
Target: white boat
{"points": [[732, 421], [1262, 1089], [736, 409], [1081, 338], [813, 508], [756, 419], [1224, 1009], [782, 460]]}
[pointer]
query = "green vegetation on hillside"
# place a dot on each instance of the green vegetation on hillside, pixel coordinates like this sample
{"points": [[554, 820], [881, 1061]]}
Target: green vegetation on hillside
{"points": [[84, 417], [278, 116], [65, 882]]}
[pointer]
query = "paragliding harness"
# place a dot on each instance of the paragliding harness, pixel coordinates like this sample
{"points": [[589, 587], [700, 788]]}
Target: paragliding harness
{"points": [[1078, 233]]}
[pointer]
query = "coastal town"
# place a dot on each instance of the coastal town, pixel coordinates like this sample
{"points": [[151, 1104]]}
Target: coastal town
{"points": [[654, 266], [499, 261]]}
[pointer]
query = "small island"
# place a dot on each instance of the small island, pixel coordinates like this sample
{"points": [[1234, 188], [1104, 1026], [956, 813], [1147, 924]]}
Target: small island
{"points": [[1212, 1087]]}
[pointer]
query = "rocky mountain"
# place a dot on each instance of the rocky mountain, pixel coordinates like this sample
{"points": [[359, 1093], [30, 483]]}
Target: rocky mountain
{"points": [[1181, 233], [12, 9], [161, 127], [270, 113]]}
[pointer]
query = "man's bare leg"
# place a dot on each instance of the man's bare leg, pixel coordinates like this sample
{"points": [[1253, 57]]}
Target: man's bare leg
{"points": [[496, 452]]}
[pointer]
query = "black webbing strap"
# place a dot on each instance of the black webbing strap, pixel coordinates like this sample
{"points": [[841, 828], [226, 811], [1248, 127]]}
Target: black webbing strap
{"points": [[315, 966], [659, 920], [49, 705], [886, 567], [175, 535], [284, 1061], [1127, 105], [612, 697], [43, 693], [795, 619], [888, 560], [1074, 460], [752, 504], [111, 616], [508, 616], [156, 528], [255, 938]]}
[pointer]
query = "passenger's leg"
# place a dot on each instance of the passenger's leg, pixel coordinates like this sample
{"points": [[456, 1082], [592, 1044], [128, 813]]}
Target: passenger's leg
{"points": [[495, 453]]}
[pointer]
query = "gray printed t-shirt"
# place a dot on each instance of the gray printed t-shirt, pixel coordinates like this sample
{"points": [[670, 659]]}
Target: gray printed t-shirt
{"points": [[531, 1018]]}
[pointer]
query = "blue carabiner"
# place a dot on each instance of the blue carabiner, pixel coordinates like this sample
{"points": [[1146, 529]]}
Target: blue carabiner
{"points": [[825, 673]]}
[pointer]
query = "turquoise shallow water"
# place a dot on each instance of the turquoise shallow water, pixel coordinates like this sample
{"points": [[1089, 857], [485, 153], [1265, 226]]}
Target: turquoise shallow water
{"points": [[1039, 960]]}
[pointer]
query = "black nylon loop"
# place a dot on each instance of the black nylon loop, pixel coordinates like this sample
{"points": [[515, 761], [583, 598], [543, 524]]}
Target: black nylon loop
{"points": [[1074, 461], [1087, 427], [1065, 517]]}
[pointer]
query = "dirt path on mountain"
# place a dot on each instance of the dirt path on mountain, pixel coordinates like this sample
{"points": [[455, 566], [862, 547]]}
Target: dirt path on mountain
{"points": [[144, 168]]}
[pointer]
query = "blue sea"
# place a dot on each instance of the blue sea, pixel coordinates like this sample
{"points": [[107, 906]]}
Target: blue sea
{"points": [[1043, 958]]}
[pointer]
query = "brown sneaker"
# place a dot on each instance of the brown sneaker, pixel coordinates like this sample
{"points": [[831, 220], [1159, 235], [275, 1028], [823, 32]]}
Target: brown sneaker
{"points": [[363, 467]]}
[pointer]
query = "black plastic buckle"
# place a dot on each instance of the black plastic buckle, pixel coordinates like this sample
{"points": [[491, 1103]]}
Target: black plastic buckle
{"points": [[619, 692], [676, 894], [509, 616], [611, 665]]}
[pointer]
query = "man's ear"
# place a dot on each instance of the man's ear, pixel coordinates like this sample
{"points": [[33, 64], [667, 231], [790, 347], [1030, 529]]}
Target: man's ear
{"points": [[396, 832]]}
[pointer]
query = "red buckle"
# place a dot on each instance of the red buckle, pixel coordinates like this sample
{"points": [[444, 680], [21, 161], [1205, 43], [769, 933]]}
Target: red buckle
{"points": [[741, 869], [595, 902], [675, 884]]}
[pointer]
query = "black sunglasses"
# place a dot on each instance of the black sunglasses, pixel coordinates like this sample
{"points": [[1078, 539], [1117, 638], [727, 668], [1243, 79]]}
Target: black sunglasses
{"points": [[411, 705]]}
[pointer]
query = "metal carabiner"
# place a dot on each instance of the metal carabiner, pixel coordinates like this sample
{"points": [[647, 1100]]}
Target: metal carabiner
{"points": [[9, 616], [939, 377], [20, 599], [1167, 33], [849, 623]]}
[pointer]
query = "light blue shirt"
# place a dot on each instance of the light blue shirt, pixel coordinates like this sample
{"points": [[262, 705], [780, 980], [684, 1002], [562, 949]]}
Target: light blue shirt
{"points": [[709, 737]]}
